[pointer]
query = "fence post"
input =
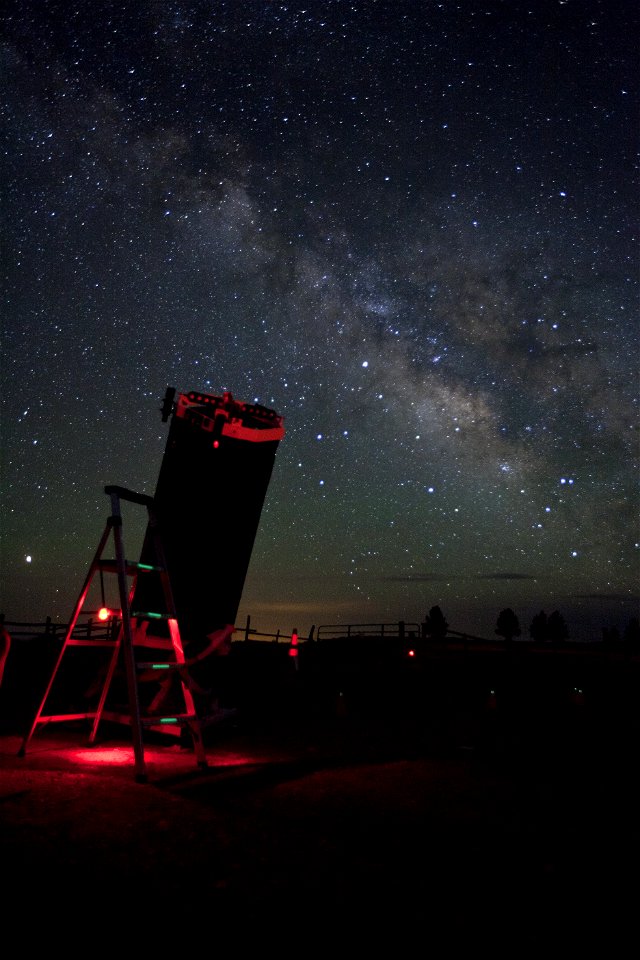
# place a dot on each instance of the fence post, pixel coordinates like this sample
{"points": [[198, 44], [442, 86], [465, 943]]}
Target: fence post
{"points": [[293, 649]]}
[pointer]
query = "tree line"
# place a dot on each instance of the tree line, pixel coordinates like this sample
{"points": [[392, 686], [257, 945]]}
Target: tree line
{"points": [[543, 628]]}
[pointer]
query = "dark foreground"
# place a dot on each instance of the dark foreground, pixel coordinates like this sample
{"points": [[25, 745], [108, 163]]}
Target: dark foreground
{"points": [[471, 821]]}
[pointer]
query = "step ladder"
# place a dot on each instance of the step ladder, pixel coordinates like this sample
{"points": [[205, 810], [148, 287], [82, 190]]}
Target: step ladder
{"points": [[132, 635]]}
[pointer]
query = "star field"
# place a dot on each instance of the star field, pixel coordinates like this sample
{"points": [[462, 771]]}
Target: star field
{"points": [[408, 227]]}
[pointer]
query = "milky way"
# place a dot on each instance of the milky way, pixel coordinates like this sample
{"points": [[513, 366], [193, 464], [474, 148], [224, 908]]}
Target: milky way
{"points": [[408, 227]]}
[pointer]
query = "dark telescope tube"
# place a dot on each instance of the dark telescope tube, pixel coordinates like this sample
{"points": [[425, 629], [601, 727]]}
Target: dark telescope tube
{"points": [[209, 496]]}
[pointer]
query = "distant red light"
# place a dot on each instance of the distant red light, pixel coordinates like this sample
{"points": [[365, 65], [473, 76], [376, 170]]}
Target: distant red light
{"points": [[104, 613], [412, 653], [216, 444]]}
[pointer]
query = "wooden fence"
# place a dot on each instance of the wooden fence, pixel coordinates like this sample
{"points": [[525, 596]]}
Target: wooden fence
{"points": [[400, 629], [95, 629]]}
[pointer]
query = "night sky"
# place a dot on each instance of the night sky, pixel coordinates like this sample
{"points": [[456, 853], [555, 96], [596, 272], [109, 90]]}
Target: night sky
{"points": [[408, 227]]}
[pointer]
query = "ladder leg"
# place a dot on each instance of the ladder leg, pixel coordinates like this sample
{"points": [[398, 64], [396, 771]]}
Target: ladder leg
{"points": [[194, 725], [105, 687], [127, 641], [70, 628], [111, 669], [198, 744]]}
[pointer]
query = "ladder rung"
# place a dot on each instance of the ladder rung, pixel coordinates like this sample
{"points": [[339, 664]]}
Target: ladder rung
{"points": [[147, 615], [131, 567], [169, 720], [54, 717], [160, 666], [76, 642], [148, 722]]}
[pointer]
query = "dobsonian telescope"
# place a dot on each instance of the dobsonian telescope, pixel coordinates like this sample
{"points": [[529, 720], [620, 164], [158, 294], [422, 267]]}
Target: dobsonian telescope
{"points": [[213, 479]]}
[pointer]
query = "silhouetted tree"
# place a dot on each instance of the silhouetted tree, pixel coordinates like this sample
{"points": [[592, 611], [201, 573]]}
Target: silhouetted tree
{"points": [[435, 625], [632, 635], [508, 625], [557, 628], [611, 635], [539, 629]]}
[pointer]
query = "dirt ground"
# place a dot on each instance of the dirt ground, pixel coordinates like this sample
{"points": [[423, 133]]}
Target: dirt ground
{"points": [[455, 817], [342, 823]]}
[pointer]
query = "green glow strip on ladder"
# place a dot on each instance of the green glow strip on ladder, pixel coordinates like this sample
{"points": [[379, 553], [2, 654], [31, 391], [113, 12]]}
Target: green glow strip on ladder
{"points": [[145, 566], [160, 666], [169, 720]]}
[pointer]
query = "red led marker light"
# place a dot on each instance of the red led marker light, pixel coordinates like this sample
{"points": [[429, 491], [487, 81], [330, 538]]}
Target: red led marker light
{"points": [[104, 613]]}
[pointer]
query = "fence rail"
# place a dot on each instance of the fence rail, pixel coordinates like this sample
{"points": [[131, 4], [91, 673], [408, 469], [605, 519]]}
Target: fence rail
{"points": [[95, 629], [249, 633], [400, 629]]}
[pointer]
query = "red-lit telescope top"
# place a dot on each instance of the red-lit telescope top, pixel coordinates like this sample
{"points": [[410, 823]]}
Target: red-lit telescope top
{"points": [[225, 417]]}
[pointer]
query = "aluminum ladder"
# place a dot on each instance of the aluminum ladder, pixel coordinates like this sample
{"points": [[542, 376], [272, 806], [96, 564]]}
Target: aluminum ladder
{"points": [[130, 637]]}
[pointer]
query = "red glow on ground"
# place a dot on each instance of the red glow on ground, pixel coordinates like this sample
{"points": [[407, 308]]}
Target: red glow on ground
{"points": [[168, 758], [103, 756]]}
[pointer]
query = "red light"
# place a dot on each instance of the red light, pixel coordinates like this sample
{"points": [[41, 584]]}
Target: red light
{"points": [[104, 613], [216, 444], [412, 653], [293, 652]]}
